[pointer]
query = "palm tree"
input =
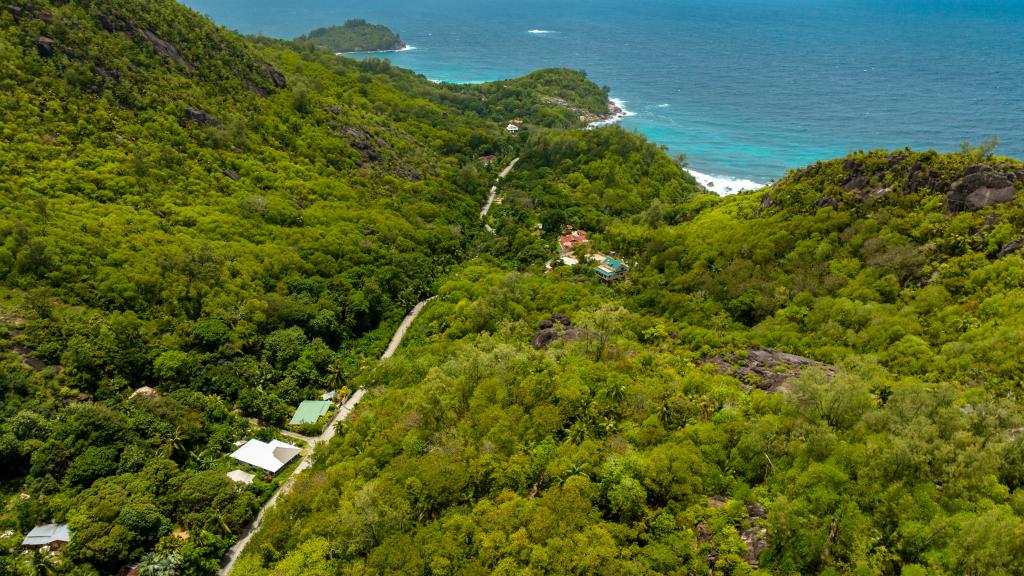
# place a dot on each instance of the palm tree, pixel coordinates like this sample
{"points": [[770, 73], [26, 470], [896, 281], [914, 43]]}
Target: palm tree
{"points": [[40, 562], [336, 374]]}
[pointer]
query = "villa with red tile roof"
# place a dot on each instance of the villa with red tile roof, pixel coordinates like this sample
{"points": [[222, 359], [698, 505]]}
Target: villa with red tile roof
{"points": [[571, 239]]}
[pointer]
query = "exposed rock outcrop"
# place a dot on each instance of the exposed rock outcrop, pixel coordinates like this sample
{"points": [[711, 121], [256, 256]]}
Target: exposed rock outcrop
{"points": [[165, 48], [981, 186], [827, 202], [114, 75], [16, 12], [855, 179], [767, 370], [856, 182], [276, 76], [256, 89], [26, 11], [365, 143], [755, 536], [557, 327], [44, 46], [197, 116], [377, 153], [766, 202], [585, 116], [921, 178], [1011, 248], [115, 22]]}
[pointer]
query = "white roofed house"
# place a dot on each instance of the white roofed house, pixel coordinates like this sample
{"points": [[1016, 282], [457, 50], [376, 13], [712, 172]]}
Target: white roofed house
{"points": [[270, 456], [512, 129], [56, 536]]}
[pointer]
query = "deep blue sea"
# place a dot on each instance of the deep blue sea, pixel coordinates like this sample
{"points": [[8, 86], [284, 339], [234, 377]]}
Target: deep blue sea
{"points": [[746, 88]]}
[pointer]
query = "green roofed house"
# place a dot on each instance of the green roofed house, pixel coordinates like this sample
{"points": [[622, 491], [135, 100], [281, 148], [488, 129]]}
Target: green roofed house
{"points": [[309, 411], [611, 269]]}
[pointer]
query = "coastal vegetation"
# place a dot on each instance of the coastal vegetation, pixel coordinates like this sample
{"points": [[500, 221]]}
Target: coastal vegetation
{"points": [[201, 230], [234, 223], [819, 377], [354, 36], [550, 98]]}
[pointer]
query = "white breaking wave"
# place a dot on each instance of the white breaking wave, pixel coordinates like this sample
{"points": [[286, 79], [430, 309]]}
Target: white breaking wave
{"points": [[625, 113], [663, 105], [406, 49], [461, 82], [535, 31], [724, 185]]}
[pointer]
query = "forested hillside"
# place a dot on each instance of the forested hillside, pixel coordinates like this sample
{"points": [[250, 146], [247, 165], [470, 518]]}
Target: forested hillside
{"points": [[234, 223], [199, 230], [816, 378]]}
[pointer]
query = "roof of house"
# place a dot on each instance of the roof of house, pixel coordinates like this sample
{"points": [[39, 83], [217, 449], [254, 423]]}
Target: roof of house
{"points": [[512, 128], [611, 267], [309, 411], [572, 239], [329, 395], [47, 534], [270, 456], [240, 476]]}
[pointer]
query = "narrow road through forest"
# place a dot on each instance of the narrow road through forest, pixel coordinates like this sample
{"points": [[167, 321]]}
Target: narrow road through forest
{"points": [[343, 412], [330, 430], [494, 189]]}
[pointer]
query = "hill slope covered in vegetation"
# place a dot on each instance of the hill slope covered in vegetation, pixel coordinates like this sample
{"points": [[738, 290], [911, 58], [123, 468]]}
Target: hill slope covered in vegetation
{"points": [[200, 230], [820, 377], [354, 36], [233, 223]]}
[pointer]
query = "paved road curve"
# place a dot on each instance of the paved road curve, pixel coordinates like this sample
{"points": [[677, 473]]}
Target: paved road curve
{"points": [[311, 442], [494, 189]]}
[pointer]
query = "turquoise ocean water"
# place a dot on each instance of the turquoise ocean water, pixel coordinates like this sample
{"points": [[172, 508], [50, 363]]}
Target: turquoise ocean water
{"points": [[746, 88]]}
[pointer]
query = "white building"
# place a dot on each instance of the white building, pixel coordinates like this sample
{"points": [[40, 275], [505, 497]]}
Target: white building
{"points": [[270, 456], [512, 129]]}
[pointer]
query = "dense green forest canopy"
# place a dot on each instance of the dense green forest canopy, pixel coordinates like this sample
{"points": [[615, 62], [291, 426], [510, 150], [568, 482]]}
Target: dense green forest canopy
{"points": [[199, 230], [551, 97], [235, 223], [354, 36], [548, 98], [671, 427]]}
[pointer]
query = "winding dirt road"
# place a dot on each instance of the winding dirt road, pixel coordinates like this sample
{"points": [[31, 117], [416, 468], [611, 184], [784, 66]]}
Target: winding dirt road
{"points": [[330, 430], [494, 189]]}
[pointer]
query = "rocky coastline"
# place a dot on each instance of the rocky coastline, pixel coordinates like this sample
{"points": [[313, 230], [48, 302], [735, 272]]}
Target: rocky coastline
{"points": [[614, 114], [399, 46]]}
